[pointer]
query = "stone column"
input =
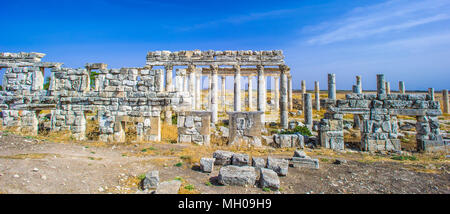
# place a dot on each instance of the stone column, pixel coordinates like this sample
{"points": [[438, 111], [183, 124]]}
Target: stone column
{"points": [[168, 116], [185, 83], [431, 93], [388, 88], [381, 85], [214, 89], [169, 71], [261, 96], [283, 98], [250, 93], [237, 88], [303, 92], [191, 72], [317, 94], [276, 93], [303, 87], [332, 86], [289, 91], [356, 121], [358, 85], [401, 87], [308, 110], [224, 93], [208, 98], [198, 92], [445, 100]]}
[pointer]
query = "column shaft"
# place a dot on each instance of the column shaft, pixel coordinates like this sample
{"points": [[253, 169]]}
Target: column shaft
{"points": [[381, 85], [237, 88], [332, 86], [283, 98], [308, 110], [261, 96], [277, 93], [358, 85], [317, 95], [401, 87], [169, 73], [198, 92], [445, 100], [289, 84], [214, 89], [250, 93], [224, 93]]}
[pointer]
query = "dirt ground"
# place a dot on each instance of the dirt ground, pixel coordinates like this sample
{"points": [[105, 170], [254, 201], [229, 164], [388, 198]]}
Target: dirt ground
{"points": [[30, 165]]}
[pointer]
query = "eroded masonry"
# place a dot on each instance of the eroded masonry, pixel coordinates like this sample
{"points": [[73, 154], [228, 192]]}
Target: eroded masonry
{"points": [[144, 96]]}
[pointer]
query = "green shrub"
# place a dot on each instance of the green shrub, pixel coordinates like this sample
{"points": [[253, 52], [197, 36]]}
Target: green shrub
{"points": [[189, 187], [179, 164], [303, 130], [404, 157]]}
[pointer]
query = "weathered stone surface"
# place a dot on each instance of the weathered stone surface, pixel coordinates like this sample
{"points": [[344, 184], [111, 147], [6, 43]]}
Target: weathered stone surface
{"points": [[300, 154], [240, 159], [207, 164], [245, 128], [222, 157], [168, 187], [269, 179], [258, 162], [280, 166], [151, 180], [305, 162], [237, 175]]}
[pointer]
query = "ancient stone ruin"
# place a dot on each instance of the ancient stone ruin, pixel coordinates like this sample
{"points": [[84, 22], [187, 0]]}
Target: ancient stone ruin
{"points": [[143, 96]]}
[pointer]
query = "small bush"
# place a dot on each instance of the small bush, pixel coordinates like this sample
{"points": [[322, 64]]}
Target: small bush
{"points": [[189, 187], [266, 189], [404, 157], [179, 164], [208, 183], [141, 176], [303, 130]]}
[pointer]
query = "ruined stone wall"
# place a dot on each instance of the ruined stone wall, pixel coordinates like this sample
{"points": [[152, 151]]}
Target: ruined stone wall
{"points": [[245, 127], [378, 115], [194, 127]]}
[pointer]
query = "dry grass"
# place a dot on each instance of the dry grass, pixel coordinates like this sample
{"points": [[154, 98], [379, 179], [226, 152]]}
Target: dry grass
{"points": [[169, 133], [30, 156]]}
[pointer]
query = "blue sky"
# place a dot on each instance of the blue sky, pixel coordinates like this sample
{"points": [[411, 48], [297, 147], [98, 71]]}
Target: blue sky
{"points": [[406, 40]]}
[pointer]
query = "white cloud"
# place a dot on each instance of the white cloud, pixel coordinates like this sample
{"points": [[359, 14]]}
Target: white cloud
{"points": [[388, 17]]}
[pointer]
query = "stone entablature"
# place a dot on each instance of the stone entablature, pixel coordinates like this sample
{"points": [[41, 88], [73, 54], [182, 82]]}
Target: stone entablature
{"points": [[197, 57]]}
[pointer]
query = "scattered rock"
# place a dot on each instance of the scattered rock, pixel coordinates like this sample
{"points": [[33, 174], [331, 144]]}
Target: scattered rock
{"points": [[225, 131], [222, 157], [168, 187], [280, 166], [304, 162], [151, 180], [340, 161], [35, 169], [269, 179], [207, 164], [44, 177], [16, 176], [258, 162], [240, 160], [300, 154], [237, 175]]}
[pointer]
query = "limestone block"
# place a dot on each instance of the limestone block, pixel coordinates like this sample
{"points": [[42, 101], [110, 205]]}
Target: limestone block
{"points": [[240, 159], [269, 179], [151, 180], [207, 164], [222, 157], [280, 166], [237, 175]]}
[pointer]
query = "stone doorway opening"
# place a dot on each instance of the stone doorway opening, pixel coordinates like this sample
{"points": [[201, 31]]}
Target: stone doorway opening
{"points": [[352, 131]]}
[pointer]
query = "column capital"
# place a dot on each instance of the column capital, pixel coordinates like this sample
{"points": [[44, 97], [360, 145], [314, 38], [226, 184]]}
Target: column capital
{"points": [[214, 68], [260, 67], [168, 67], [284, 68], [237, 67]]}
